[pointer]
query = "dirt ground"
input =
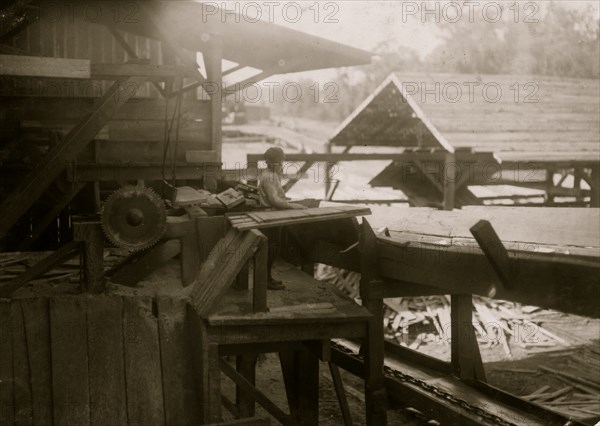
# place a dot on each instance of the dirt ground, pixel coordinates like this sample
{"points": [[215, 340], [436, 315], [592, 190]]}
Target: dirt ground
{"points": [[270, 382]]}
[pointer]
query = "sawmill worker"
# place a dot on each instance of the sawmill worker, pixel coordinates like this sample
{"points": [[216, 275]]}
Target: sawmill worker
{"points": [[272, 196]]}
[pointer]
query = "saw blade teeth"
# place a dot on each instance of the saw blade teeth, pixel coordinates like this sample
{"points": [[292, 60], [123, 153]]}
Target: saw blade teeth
{"points": [[124, 214]]}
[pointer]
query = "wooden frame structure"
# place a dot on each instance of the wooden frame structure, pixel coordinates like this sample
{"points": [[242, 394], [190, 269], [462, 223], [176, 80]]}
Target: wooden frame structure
{"points": [[451, 142], [408, 263], [110, 123]]}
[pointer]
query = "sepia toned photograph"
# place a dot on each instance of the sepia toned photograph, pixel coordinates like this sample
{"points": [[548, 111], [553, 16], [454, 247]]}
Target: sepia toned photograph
{"points": [[335, 213]]}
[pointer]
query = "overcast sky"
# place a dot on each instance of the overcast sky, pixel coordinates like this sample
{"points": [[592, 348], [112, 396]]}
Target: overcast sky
{"points": [[367, 24]]}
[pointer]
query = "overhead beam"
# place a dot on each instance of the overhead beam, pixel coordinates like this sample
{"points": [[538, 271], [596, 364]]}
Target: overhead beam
{"points": [[292, 181], [57, 159], [338, 157], [37, 66], [132, 54], [163, 72]]}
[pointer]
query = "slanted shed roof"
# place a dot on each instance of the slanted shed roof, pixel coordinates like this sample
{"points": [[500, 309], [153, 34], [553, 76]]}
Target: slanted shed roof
{"points": [[259, 44], [515, 117]]}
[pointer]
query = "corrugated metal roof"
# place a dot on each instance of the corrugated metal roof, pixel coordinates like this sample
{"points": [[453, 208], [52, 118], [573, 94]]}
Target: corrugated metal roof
{"points": [[515, 117]]}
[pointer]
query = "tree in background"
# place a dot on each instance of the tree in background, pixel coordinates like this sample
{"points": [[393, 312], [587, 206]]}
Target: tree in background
{"points": [[564, 42]]}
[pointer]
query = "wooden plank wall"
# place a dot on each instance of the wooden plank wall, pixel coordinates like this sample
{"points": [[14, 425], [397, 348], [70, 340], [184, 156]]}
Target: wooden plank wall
{"points": [[31, 108], [96, 360]]}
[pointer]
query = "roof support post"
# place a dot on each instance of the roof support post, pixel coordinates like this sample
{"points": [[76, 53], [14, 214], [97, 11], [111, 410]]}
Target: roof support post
{"points": [[371, 294], [212, 58], [595, 186], [549, 198], [449, 181]]}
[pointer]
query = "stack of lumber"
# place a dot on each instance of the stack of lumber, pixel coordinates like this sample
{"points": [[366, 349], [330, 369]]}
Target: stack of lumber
{"points": [[230, 198], [579, 394]]}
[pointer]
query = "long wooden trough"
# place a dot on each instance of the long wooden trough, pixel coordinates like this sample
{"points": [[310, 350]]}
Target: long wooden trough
{"points": [[554, 255]]}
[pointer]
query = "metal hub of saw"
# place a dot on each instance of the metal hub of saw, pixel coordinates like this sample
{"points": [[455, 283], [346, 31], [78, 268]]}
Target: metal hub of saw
{"points": [[134, 217]]}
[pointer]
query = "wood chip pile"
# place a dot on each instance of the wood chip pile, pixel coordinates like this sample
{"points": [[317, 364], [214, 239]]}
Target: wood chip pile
{"points": [[15, 263], [496, 322], [580, 395]]}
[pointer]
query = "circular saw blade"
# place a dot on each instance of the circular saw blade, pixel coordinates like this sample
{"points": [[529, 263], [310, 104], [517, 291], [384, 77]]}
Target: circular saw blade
{"points": [[134, 217]]}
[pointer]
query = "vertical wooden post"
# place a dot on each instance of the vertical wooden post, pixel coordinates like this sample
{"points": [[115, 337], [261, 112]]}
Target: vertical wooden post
{"points": [[261, 274], [308, 388], [208, 373], [190, 253], [465, 356], [371, 293], [549, 186], [327, 171], [301, 377], [246, 366], [90, 233], [577, 177], [595, 190], [449, 181], [213, 57]]}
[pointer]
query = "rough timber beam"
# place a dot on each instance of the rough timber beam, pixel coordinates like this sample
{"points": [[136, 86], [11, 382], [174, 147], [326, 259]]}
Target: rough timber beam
{"points": [[57, 159], [36, 66], [131, 52]]}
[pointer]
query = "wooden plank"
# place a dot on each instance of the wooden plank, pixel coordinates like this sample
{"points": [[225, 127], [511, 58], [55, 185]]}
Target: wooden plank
{"points": [[340, 393], [91, 236], [249, 421], [54, 259], [106, 363], [161, 71], [35, 66], [308, 388], [200, 352], [246, 367], [6, 363], [371, 293], [254, 393], [36, 315], [210, 231], [21, 374], [181, 395], [135, 270], [142, 363], [494, 251], [296, 219], [70, 379], [465, 356], [224, 263], [540, 225]]}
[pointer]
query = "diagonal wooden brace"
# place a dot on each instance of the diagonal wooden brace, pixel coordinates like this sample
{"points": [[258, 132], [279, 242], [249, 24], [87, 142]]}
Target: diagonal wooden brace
{"points": [[48, 169], [495, 252]]}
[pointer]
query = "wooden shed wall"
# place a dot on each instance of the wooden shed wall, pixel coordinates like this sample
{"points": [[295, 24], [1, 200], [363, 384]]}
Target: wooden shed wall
{"points": [[96, 360], [32, 108]]}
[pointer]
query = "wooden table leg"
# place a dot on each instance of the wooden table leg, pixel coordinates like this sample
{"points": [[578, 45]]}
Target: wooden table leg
{"points": [[301, 377], [246, 366]]}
